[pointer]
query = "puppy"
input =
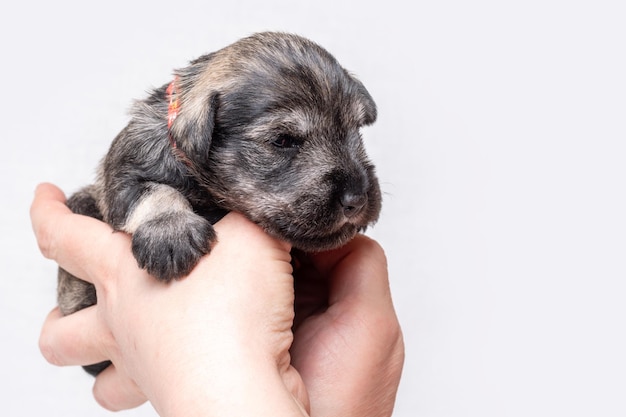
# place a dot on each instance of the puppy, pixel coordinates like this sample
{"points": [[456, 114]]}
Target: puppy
{"points": [[268, 126]]}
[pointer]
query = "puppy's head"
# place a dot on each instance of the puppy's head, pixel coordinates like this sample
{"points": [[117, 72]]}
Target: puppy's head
{"points": [[272, 124]]}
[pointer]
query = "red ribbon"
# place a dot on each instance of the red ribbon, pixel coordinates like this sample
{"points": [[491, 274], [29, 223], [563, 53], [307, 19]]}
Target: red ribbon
{"points": [[172, 108]]}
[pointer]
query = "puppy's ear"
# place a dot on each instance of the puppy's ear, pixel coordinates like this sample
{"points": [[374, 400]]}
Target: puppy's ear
{"points": [[366, 107], [197, 102], [192, 130]]}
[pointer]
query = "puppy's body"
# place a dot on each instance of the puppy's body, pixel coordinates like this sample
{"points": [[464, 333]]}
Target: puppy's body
{"points": [[268, 127]]}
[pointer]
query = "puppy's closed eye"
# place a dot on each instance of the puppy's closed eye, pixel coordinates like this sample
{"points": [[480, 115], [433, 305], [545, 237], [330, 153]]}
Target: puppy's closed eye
{"points": [[286, 141]]}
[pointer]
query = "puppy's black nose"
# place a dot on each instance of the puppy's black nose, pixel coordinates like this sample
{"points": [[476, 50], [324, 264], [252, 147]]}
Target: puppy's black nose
{"points": [[352, 203]]}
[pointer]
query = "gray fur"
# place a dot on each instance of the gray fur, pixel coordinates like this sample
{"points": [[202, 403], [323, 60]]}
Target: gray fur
{"points": [[269, 127]]}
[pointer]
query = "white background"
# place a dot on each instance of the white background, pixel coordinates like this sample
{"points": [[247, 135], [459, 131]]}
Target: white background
{"points": [[500, 145]]}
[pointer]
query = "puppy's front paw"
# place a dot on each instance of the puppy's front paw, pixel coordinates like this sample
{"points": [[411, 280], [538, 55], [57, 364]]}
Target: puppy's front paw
{"points": [[170, 245]]}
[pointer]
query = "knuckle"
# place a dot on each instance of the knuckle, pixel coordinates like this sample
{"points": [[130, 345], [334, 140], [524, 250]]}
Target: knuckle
{"points": [[45, 235], [46, 347]]}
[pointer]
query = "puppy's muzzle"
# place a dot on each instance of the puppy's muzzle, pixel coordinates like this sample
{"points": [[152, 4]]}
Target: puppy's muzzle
{"points": [[353, 187]]}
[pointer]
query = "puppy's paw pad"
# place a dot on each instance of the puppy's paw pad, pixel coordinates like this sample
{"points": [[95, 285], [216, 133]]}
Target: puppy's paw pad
{"points": [[170, 245]]}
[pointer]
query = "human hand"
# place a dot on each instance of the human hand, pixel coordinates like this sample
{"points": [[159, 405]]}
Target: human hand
{"points": [[348, 345], [214, 343]]}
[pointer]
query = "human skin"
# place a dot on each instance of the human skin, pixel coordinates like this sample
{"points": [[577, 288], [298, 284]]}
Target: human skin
{"points": [[236, 336]]}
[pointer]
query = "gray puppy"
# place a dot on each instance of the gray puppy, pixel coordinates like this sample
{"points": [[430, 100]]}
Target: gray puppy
{"points": [[268, 127]]}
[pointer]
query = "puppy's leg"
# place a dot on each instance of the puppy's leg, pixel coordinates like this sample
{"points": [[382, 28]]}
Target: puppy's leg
{"points": [[168, 237], [74, 294]]}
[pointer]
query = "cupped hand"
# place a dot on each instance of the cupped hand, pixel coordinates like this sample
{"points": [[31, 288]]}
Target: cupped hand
{"points": [[214, 342], [348, 345]]}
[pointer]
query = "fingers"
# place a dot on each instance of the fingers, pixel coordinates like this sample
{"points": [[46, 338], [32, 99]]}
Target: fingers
{"points": [[234, 232], [115, 391], [360, 286], [74, 339], [236, 226], [75, 242], [356, 271], [358, 289], [353, 348]]}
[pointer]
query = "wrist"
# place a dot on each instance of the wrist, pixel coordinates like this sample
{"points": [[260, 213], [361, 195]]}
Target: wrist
{"points": [[234, 387]]}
